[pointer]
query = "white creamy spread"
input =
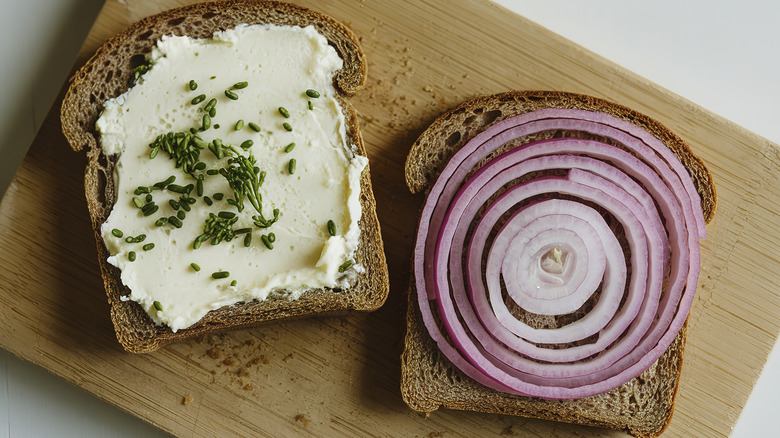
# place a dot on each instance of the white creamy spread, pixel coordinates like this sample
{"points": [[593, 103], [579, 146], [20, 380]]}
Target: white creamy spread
{"points": [[279, 64]]}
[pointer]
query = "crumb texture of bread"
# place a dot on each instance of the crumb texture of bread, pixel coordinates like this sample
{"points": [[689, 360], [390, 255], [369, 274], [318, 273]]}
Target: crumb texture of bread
{"points": [[109, 73], [642, 406]]}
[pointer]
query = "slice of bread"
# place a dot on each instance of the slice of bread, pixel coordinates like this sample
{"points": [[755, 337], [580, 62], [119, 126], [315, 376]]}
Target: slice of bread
{"points": [[109, 73], [642, 406]]}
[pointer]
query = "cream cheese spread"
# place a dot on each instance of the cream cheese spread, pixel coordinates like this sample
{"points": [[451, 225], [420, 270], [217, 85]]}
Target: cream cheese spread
{"points": [[272, 86]]}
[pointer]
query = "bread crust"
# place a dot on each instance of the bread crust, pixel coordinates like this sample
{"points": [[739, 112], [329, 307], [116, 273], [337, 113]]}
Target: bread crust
{"points": [[642, 406], [108, 73]]}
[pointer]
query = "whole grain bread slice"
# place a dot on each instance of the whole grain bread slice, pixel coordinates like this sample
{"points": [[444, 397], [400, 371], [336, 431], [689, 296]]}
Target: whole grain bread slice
{"points": [[642, 406], [109, 73]]}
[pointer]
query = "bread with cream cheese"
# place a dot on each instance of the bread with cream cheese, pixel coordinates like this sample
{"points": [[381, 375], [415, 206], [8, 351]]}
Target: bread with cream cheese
{"points": [[642, 406], [109, 73]]}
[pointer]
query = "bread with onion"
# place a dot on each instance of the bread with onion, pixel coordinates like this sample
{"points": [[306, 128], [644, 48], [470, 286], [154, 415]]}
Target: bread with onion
{"points": [[555, 262]]}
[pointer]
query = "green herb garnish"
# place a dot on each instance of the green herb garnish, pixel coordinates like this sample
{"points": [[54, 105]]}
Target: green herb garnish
{"points": [[182, 147], [313, 93], [220, 274], [289, 147], [331, 228], [216, 228], [283, 111], [267, 242], [344, 266], [291, 166]]}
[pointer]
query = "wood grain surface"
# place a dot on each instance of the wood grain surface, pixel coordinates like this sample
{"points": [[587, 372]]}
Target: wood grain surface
{"points": [[340, 376]]}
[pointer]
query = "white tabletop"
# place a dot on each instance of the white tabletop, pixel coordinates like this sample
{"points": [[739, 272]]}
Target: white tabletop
{"points": [[722, 55]]}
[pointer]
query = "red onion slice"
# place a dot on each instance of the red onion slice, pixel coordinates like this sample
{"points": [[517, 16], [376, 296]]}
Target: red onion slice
{"points": [[516, 236]]}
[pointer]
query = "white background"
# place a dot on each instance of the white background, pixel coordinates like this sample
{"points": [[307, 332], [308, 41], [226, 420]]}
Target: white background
{"points": [[722, 55]]}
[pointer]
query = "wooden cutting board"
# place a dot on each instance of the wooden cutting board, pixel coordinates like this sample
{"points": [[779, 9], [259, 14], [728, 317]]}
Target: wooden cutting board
{"points": [[340, 376]]}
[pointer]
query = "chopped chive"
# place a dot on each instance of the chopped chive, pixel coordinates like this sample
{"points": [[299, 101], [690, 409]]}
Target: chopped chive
{"points": [[233, 283], [174, 204], [149, 197], [206, 122], [154, 152], [271, 237], [198, 99], [117, 232], [195, 266], [226, 214], [192, 85], [286, 126], [291, 166], [199, 240], [212, 172], [157, 306], [216, 125], [208, 200], [162, 221], [131, 256], [247, 144], [283, 111], [152, 210], [311, 106], [137, 202], [177, 188], [185, 204], [313, 93], [148, 246], [200, 165], [218, 196], [289, 147], [254, 126], [213, 113], [248, 240], [199, 187], [163, 184], [231, 95], [344, 266], [140, 190], [181, 214], [239, 125], [240, 85], [174, 221], [140, 238], [220, 274], [211, 104], [268, 244], [331, 228]]}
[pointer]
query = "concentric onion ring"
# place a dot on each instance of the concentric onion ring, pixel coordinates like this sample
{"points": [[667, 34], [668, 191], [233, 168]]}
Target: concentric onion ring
{"points": [[546, 240]]}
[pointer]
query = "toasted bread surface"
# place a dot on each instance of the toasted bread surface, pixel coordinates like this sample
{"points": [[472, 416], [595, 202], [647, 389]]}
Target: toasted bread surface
{"points": [[109, 72], [642, 406]]}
